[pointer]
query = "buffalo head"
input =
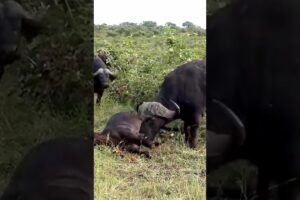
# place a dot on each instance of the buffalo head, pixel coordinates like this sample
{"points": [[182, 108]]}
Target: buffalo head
{"points": [[155, 116], [14, 22], [105, 58], [101, 73]]}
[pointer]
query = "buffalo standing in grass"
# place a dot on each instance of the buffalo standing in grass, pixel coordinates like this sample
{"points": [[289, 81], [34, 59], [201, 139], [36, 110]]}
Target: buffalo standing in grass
{"points": [[253, 69], [102, 76], [123, 130], [182, 95], [59, 169], [14, 22]]}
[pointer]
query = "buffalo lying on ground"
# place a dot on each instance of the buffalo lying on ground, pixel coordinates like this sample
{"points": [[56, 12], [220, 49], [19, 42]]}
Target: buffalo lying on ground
{"points": [[14, 22], [123, 129], [102, 75], [59, 169], [182, 95], [253, 69]]}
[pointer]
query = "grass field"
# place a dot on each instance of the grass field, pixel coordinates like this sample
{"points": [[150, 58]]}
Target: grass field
{"points": [[174, 172]]}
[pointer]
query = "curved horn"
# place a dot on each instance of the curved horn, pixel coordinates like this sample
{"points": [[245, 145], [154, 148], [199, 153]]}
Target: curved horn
{"points": [[99, 71], [155, 109], [108, 71], [176, 105], [241, 136]]}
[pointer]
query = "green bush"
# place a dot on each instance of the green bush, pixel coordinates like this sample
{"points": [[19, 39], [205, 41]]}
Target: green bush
{"points": [[142, 61], [56, 66]]}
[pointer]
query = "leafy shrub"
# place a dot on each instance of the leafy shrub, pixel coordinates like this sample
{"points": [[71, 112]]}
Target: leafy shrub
{"points": [[143, 60]]}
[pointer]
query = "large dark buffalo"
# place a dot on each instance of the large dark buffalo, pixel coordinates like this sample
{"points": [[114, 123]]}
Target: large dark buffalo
{"points": [[59, 169], [254, 71], [123, 130], [102, 75], [14, 22], [182, 95]]}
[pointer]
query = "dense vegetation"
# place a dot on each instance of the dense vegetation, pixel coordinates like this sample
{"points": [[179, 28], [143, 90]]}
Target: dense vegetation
{"points": [[142, 54]]}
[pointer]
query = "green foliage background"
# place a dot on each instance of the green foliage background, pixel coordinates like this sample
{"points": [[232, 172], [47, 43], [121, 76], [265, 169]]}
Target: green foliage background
{"points": [[143, 55], [55, 69]]}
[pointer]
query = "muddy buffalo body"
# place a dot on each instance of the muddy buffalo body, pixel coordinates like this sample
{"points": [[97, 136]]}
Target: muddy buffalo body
{"points": [[59, 169], [123, 130], [102, 76], [14, 23], [253, 70], [182, 95]]}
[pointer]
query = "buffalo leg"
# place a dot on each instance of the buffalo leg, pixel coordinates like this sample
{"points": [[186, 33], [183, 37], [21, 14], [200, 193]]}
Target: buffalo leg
{"points": [[99, 96], [98, 100], [102, 139], [191, 131], [186, 132], [193, 136], [137, 139], [133, 148], [146, 141]]}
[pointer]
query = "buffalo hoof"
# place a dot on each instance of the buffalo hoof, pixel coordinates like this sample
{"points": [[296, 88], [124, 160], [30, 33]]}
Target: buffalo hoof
{"points": [[192, 144]]}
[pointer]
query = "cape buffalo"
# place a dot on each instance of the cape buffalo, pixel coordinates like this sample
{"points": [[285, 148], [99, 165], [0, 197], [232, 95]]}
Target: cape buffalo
{"points": [[102, 75], [14, 22], [59, 169], [123, 129], [182, 95], [253, 69]]}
